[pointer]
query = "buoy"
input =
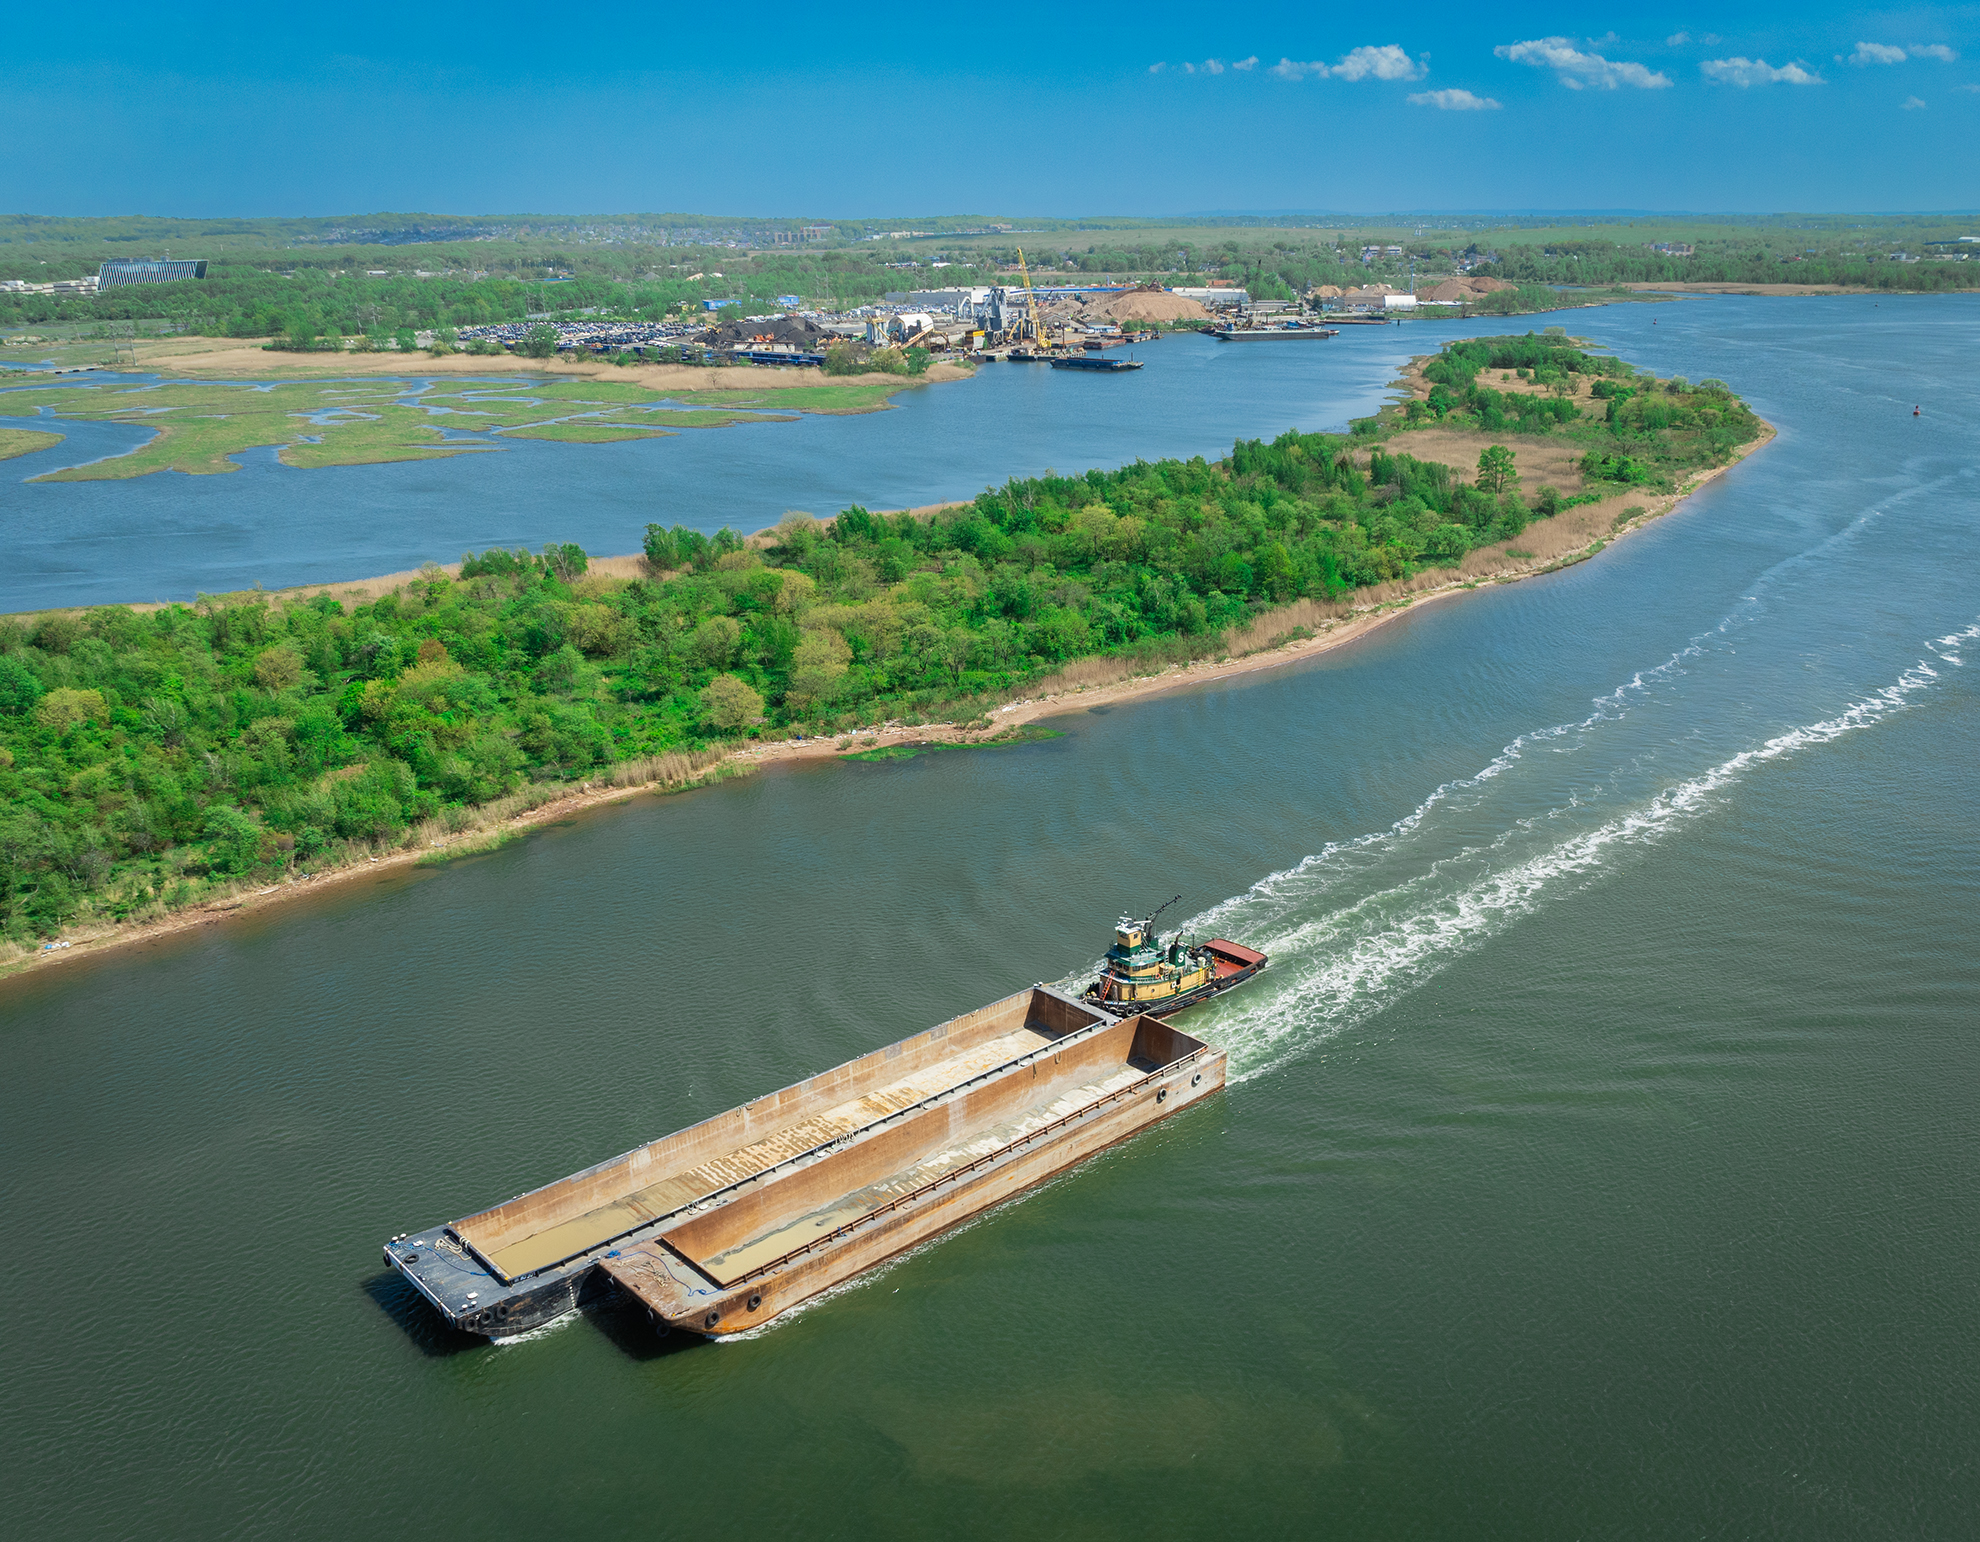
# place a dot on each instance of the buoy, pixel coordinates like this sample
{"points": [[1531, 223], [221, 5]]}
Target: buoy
{"points": [[1914, 412]]}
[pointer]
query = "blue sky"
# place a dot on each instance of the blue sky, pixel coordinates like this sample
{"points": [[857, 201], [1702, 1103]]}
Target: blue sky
{"points": [[229, 109]]}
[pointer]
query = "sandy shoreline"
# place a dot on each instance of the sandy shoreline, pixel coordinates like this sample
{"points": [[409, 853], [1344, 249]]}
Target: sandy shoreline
{"points": [[1330, 634]]}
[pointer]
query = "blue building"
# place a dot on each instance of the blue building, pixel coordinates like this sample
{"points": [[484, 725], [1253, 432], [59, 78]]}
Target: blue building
{"points": [[120, 271]]}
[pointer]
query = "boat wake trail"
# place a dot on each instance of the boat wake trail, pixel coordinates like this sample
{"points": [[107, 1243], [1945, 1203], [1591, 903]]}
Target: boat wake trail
{"points": [[1362, 922]]}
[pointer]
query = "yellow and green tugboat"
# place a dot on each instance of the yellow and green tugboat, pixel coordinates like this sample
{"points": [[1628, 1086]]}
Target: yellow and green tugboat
{"points": [[1143, 974]]}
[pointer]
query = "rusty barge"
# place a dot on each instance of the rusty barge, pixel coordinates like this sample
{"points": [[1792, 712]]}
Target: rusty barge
{"points": [[721, 1226]]}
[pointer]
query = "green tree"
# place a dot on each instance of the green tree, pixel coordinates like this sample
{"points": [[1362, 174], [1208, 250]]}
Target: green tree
{"points": [[819, 666], [65, 709], [1496, 469], [20, 689], [716, 640], [729, 704], [540, 342], [278, 669], [567, 560], [1276, 575]]}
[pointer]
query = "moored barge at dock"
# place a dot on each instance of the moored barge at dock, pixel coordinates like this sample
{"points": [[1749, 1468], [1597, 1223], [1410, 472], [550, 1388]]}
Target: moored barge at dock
{"points": [[1098, 363], [1286, 331], [721, 1226]]}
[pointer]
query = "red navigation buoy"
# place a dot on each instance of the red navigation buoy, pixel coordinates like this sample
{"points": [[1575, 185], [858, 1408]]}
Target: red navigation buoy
{"points": [[1914, 412]]}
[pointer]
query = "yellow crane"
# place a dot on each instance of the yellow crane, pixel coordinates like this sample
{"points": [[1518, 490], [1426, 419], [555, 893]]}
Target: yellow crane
{"points": [[1030, 300]]}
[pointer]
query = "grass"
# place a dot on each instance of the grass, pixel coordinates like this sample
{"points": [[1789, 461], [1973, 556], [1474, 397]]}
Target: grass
{"points": [[1029, 733], [585, 433], [25, 441], [479, 846], [200, 425], [812, 399]]}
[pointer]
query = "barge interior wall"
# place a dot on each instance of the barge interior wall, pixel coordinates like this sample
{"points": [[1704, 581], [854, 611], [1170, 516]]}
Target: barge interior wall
{"points": [[578, 1214]]}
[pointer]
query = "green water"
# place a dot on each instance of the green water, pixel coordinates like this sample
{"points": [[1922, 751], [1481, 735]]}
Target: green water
{"points": [[1599, 1158]]}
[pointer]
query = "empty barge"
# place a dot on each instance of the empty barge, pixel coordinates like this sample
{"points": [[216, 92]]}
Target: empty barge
{"points": [[720, 1227], [1273, 332], [1095, 362]]}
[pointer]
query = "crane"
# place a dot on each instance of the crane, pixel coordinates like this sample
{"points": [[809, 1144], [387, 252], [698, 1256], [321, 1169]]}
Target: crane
{"points": [[1030, 300]]}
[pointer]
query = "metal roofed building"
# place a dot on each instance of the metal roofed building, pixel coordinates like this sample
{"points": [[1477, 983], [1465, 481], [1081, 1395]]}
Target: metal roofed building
{"points": [[119, 272]]}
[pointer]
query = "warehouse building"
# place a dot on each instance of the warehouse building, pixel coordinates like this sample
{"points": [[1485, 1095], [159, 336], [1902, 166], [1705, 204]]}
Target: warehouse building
{"points": [[121, 271]]}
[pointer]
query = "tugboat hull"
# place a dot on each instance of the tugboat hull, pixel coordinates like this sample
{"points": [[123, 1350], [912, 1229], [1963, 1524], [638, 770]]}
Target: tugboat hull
{"points": [[1232, 964]]}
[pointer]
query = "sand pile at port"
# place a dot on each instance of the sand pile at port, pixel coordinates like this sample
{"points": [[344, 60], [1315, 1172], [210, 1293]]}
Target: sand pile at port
{"points": [[1146, 305]]}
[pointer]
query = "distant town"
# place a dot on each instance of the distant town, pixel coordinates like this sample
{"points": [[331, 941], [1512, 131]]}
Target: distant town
{"points": [[685, 287]]}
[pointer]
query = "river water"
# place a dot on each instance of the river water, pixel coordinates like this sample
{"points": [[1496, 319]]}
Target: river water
{"points": [[1598, 1161], [171, 536]]}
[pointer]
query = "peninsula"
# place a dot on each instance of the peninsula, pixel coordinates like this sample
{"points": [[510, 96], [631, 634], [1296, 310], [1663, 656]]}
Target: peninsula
{"points": [[156, 763]]}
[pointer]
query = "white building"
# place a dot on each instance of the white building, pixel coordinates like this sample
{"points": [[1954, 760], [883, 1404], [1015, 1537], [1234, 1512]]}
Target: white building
{"points": [[957, 300], [1216, 297]]}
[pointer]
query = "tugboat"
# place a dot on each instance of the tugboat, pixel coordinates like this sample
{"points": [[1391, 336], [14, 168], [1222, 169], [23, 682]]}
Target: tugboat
{"points": [[1143, 975]]}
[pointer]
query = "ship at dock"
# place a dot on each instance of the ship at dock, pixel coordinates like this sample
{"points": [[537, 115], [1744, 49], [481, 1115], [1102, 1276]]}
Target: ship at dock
{"points": [[1272, 331], [719, 1227]]}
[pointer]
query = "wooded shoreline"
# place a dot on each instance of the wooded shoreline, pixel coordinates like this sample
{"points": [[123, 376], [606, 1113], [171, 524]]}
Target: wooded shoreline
{"points": [[1263, 637]]}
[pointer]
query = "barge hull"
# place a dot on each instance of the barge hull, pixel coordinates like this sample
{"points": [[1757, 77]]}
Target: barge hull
{"points": [[683, 1286]]}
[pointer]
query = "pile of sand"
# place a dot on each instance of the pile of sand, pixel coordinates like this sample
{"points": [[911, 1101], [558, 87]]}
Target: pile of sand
{"points": [[1454, 291], [1146, 305]]}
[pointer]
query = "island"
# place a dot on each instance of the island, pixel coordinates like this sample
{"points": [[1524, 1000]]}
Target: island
{"points": [[159, 761]]}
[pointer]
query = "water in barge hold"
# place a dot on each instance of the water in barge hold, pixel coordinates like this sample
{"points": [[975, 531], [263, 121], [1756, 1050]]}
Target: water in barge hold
{"points": [[720, 1227]]}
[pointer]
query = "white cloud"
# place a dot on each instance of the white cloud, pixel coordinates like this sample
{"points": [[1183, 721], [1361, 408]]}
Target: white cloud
{"points": [[1156, 69], [1912, 104], [1453, 101], [1937, 51], [1577, 69], [1605, 39], [1676, 39], [1213, 66], [1246, 64], [1974, 89], [1757, 72], [1390, 61], [1876, 53]]}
